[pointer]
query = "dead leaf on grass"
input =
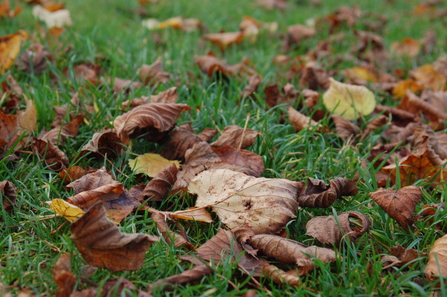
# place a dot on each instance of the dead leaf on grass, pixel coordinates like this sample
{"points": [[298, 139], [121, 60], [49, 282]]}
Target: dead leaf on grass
{"points": [[159, 186], [8, 193], [106, 144], [168, 234], [55, 159], [102, 245], [154, 73], [150, 164], [63, 277], [437, 260], [237, 137]]}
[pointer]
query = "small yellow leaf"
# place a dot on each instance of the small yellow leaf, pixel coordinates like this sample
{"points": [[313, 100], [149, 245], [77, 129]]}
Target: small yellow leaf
{"points": [[28, 118], [150, 164], [348, 101], [63, 208], [10, 48]]}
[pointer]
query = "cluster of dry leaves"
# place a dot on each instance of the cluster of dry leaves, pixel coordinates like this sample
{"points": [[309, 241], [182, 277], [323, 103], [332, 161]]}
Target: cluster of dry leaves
{"points": [[225, 176]]}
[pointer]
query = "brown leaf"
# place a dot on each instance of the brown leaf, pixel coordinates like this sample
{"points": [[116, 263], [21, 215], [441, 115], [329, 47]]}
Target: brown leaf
{"points": [[125, 85], [266, 205], [9, 131], [406, 256], [296, 33], [28, 118], [225, 39], [8, 193], [299, 120], [399, 204], [63, 277], [429, 77], [345, 129], [320, 194], [274, 97], [159, 186], [272, 4], [329, 230], [158, 117], [76, 105], [242, 158], [10, 49], [314, 77], [168, 234], [374, 124], [182, 139], [55, 159], [72, 173], [210, 65], [252, 86], [168, 96], [7, 12], [154, 73], [34, 59], [437, 260], [279, 276], [188, 276], [106, 144], [192, 214], [291, 251], [237, 137], [58, 134], [406, 47], [102, 245]]}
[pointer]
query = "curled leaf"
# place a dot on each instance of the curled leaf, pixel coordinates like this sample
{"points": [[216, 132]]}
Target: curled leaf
{"points": [[63, 277], [159, 186], [437, 260], [8, 193], [348, 101], [399, 204], [102, 245]]}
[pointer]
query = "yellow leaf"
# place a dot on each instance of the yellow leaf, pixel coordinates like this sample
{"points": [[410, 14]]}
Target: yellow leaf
{"points": [[10, 48], [150, 164], [348, 101], [63, 208], [429, 77]]}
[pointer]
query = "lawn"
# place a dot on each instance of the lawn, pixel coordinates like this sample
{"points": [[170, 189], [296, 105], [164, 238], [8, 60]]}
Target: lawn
{"points": [[108, 36]]}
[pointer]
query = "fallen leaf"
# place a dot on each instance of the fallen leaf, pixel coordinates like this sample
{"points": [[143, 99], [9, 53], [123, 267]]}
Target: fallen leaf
{"points": [[6, 11], [406, 47], [266, 205], [331, 230], [34, 59], [154, 73], [345, 129], [55, 159], [279, 276], [69, 211], [125, 85], [63, 277], [348, 101], [168, 234], [102, 245], [252, 86], [429, 77], [296, 33], [299, 121], [237, 137], [399, 204], [374, 124], [210, 65], [191, 214], [157, 117], [225, 39], [272, 4], [437, 260], [58, 18], [242, 158], [10, 49], [159, 186], [72, 173], [28, 118], [150, 164], [320, 194], [8, 193], [400, 89], [360, 75], [188, 276], [106, 144], [291, 251]]}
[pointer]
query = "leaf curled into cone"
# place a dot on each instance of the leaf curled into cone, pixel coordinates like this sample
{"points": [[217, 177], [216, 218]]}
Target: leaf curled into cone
{"points": [[320, 194], [102, 245], [264, 204], [399, 204], [63, 277], [437, 260], [291, 251], [328, 230], [8, 193], [348, 101]]}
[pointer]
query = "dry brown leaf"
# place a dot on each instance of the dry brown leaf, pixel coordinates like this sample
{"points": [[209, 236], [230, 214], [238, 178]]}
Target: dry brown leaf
{"points": [[329, 230], [151, 117], [237, 137], [191, 214], [242, 158], [252, 86], [28, 118], [9, 131], [72, 173], [80, 108], [429, 77], [120, 84], [405, 256], [299, 121], [437, 260], [154, 73], [188, 276], [10, 49], [225, 39], [182, 139], [314, 77], [55, 159], [102, 145], [58, 134], [102, 245], [272, 4], [168, 234], [374, 124], [345, 129], [34, 59], [399, 204], [159, 186], [429, 42], [8, 193], [7, 12], [274, 97], [266, 205], [291, 251], [320, 194], [212, 66], [296, 33], [406, 47], [279, 276], [168, 96], [63, 277]]}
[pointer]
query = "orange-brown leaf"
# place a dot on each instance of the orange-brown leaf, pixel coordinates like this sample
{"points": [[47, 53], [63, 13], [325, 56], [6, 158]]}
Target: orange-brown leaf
{"points": [[437, 260], [106, 144], [237, 137], [55, 159], [242, 158], [8, 192], [10, 49], [102, 245], [399, 204], [154, 73], [63, 277]]}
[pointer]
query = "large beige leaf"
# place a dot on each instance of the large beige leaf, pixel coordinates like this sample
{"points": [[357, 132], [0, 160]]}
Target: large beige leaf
{"points": [[264, 204], [348, 101], [437, 260]]}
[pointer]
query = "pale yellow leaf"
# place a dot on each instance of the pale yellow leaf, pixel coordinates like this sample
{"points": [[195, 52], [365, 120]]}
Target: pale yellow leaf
{"points": [[151, 164], [28, 118], [348, 101], [63, 208]]}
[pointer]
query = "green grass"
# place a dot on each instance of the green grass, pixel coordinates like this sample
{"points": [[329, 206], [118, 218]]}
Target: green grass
{"points": [[31, 240]]}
